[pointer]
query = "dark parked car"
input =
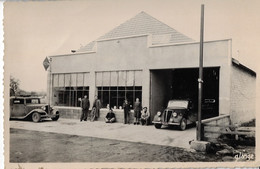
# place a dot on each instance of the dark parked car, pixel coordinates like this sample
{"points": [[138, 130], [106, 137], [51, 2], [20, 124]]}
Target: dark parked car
{"points": [[184, 112], [31, 108], [178, 112]]}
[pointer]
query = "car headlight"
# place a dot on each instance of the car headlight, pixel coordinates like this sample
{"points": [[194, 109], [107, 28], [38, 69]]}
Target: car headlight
{"points": [[43, 108], [159, 113], [174, 114]]}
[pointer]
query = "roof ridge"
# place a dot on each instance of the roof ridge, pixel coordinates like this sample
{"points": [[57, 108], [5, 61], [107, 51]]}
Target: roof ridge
{"points": [[143, 23]]}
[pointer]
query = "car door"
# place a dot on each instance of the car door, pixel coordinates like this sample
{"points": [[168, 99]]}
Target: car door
{"points": [[18, 108]]}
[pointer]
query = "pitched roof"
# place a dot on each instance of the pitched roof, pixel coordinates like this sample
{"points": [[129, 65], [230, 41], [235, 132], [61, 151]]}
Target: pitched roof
{"points": [[142, 24]]}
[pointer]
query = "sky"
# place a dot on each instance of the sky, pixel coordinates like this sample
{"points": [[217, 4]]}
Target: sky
{"points": [[34, 30]]}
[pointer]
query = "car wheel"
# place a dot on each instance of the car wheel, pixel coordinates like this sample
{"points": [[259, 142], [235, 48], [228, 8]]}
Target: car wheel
{"points": [[158, 126], [183, 124], [55, 118], [36, 117]]}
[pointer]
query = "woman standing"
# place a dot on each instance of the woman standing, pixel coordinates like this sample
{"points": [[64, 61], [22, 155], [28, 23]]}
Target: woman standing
{"points": [[137, 111], [97, 106]]}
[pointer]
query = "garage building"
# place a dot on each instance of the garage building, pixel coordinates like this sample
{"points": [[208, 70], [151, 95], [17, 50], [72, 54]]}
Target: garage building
{"points": [[146, 59]]}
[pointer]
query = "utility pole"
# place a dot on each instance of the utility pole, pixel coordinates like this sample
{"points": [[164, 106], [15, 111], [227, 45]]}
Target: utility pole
{"points": [[200, 80]]}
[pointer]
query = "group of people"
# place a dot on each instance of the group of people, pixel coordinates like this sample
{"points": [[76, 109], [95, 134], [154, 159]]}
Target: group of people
{"points": [[141, 115], [95, 112]]}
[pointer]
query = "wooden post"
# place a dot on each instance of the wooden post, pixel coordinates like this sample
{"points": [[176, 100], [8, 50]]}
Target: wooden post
{"points": [[200, 80]]}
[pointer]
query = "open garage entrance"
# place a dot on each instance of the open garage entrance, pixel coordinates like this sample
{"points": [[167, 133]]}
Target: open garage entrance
{"points": [[167, 84]]}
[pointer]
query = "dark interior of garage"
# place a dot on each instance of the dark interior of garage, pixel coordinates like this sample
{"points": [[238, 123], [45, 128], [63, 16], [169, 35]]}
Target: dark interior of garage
{"points": [[170, 84]]}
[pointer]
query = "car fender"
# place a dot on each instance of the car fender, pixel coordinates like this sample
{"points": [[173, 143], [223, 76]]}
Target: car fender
{"points": [[155, 118], [42, 112], [55, 111]]}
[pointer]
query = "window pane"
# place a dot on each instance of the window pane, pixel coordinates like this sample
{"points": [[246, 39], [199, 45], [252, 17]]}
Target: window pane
{"points": [[61, 80], [114, 78], [105, 98], [138, 78], [74, 79], [113, 88], [138, 87], [105, 88], [80, 79], [106, 79], [129, 88], [86, 88], [67, 80], [79, 88], [130, 97], [113, 99], [121, 98], [121, 78], [99, 79], [130, 78], [79, 95], [121, 88], [100, 95], [86, 79], [56, 80], [61, 98], [66, 98]]}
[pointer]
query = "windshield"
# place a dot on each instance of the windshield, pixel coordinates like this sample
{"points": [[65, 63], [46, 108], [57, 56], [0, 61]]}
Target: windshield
{"points": [[178, 103], [32, 101]]}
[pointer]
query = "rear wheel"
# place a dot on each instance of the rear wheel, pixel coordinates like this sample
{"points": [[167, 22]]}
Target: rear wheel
{"points": [[158, 126], [36, 117], [183, 124]]}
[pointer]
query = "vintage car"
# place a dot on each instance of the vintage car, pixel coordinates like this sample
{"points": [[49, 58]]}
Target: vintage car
{"points": [[178, 112], [31, 108]]}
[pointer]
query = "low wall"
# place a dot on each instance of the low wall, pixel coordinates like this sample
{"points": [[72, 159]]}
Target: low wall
{"points": [[69, 112], [220, 120], [75, 113]]}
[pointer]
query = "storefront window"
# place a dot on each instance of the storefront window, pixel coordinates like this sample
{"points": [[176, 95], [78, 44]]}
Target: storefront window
{"points": [[68, 88], [116, 86]]}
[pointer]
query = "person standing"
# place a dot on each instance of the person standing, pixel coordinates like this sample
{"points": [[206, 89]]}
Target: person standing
{"points": [[126, 107], [97, 106], [137, 111], [85, 108]]}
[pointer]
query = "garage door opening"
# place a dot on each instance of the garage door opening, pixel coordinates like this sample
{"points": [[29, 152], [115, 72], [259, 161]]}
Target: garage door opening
{"points": [[170, 84]]}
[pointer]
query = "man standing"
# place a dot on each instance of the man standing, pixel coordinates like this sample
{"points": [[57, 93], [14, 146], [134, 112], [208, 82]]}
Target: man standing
{"points": [[126, 107], [85, 108]]}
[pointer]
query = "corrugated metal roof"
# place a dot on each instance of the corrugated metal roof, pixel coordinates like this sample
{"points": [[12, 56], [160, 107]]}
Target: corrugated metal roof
{"points": [[143, 24]]}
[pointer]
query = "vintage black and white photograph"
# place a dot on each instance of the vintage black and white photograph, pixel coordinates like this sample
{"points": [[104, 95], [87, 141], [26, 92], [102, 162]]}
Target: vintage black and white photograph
{"points": [[119, 82]]}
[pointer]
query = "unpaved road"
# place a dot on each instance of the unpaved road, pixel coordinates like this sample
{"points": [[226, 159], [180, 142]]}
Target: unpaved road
{"points": [[35, 146]]}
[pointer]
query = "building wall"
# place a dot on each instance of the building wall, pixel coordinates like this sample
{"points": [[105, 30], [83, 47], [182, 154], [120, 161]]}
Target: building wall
{"points": [[136, 54], [243, 95]]}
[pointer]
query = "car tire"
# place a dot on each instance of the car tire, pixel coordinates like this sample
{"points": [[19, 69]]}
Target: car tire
{"points": [[36, 117], [158, 126], [55, 118], [183, 124]]}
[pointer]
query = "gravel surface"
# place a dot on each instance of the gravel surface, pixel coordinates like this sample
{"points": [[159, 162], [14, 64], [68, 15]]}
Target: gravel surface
{"points": [[33, 146]]}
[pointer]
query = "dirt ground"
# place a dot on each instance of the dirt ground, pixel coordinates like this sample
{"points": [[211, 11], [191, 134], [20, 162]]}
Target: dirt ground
{"points": [[35, 146]]}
